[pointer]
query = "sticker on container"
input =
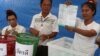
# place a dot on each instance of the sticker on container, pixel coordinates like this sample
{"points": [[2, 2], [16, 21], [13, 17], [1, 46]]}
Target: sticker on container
{"points": [[24, 50], [3, 49]]}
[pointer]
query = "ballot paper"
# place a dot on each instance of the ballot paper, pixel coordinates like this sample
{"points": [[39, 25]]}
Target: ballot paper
{"points": [[67, 15]]}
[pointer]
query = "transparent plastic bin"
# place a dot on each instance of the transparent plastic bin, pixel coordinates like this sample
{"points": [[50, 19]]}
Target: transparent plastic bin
{"points": [[63, 47]]}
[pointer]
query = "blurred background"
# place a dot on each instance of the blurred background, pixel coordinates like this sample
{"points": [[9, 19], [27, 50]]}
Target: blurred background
{"points": [[25, 9]]}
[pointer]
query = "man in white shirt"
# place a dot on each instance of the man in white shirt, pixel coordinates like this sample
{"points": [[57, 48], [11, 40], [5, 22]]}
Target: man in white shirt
{"points": [[13, 28], [44, 24]]}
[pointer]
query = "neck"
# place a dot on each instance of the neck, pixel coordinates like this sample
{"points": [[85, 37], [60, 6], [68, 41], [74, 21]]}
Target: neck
{"points": [[13, 26], [44, 14], [87, 21]]}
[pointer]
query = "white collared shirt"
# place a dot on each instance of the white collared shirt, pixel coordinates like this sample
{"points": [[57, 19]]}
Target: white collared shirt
{"points": [[45, 25], [83, 43], [18, 28]]}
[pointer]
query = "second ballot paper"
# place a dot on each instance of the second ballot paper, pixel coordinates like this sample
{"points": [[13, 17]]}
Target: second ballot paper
{"points": [[67, 15]]}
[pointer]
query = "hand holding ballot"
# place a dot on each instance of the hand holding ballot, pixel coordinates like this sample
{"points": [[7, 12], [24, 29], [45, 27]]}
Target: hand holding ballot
{"points": [[68, 2], [10, 32], [67, 15]]}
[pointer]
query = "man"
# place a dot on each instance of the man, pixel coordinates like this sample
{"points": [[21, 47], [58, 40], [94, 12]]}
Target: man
{"points": [[13, 28], [44, 24]]}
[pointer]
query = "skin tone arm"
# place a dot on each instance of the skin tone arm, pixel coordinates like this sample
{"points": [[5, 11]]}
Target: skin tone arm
{"points": [[43, 36], [49, 36], [68, 2], [7, 32], [34, 31], [87, 33]]}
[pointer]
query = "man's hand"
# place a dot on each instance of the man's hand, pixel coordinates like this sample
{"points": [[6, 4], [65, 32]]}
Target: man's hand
{"points": [[43, 37], [7, 32], [14, 32], [69, 2]]}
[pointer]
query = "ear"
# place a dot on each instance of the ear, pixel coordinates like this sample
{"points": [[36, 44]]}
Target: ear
{"points": [[93, 13]]}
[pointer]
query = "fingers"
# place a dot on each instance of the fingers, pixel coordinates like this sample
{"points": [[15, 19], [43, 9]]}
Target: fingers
{"points": [[7, 32], [10, 32], [44, 37]]}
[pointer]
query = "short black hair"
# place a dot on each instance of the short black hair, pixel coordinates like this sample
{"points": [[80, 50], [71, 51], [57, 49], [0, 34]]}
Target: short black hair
{"points": [[9, 13], [43, 0], [92, 6]]}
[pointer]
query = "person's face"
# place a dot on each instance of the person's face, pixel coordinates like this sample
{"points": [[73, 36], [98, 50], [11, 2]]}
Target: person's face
{"points": [[12, 20], [46, 6], [87, 12]]}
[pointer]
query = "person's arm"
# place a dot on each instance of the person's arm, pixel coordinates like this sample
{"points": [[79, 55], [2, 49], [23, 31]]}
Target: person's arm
{"points": [[34, 31], [49, 36], [55, 30], [68, 2], [87, 33], [5, 31]]}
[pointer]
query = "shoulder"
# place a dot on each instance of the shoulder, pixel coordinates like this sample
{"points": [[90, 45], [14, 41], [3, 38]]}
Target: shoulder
{"points": [[5, 27], [36, 16], [96, 24], [20, 26], [79, 19]]}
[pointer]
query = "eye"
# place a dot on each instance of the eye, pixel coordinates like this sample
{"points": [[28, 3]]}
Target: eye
{"points": [[11, 19]]}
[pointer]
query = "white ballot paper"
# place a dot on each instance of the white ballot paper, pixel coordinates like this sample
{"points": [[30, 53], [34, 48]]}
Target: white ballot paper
{"points": [[67, 15]]}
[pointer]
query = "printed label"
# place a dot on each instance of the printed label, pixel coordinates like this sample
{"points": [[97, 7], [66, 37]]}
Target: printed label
{"points": [[3, 49], [24, 50]]}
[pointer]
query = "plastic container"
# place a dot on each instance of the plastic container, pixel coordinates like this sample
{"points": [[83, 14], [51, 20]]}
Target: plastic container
{"points": [[63, 47], [7, 45], [26, 44]]}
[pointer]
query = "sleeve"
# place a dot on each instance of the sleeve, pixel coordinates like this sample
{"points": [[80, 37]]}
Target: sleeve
{"points": [[55, 25], [78, 22], [96, 27], [32, 22], [23, 30]]}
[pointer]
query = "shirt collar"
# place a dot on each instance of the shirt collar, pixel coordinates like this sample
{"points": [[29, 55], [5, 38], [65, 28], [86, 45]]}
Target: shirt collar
{"points": [[49, 15], [15, 27]]}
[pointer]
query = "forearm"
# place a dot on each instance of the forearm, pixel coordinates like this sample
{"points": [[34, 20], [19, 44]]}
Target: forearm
{"points": [[34, 31], [53, 34], [88, 33]]}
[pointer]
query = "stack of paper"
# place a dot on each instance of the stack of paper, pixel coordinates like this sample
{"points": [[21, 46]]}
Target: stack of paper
{"points": [[67, 15]]}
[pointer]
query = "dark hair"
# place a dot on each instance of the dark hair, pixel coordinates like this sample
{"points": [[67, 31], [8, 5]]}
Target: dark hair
{"points": [[92, 6], [43, 0], [9, 13]]}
